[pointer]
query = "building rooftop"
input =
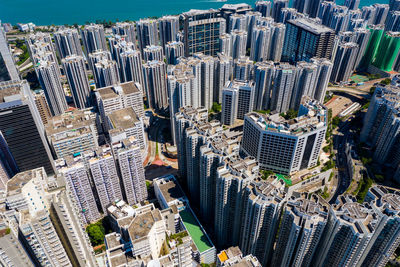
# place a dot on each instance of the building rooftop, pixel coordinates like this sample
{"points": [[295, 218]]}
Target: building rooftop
{"points": [[229, 253], [311, 25], [76, 122], [195, 230], [116, 90], [170, 189], [12, 90], [15, 184], [312, 115], [123, 118], [143, 223]]}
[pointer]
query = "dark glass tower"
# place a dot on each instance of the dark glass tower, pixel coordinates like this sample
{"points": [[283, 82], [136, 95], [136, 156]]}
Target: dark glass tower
{"points": [[22, 127]]}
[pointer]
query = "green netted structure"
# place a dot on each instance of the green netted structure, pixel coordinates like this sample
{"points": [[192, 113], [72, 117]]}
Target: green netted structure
{"points": [[373, 45], [387, 51]]}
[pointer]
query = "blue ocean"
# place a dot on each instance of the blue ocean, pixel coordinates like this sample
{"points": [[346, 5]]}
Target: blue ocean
{"points": [[58, 12]]}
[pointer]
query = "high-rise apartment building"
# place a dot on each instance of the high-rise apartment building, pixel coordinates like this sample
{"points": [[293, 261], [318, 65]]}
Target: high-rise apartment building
{"points": [[262, 206], [345, 60], [305, 39], [42, 239], [155, 84], [202, 29], [309, 7], [127, 123], [75, 70], [237, 100], [127, 30], [231, 181], [168, 27], [106, 73], [237, 22], [8, 71], [223, 73], [277, 6], [93, 38], [104, 175], [67, 223], [22, 127], [243, 69], [78, 182], [147, 33], [233, 256], [380, 127], [49, 76], [117, 97], [239, 42], [302, 139], [72, 132], [264, 7], [131, 67], [153, 52], [67, 42], [301, 229], [130, 165], [12, 252], [173, 51]]}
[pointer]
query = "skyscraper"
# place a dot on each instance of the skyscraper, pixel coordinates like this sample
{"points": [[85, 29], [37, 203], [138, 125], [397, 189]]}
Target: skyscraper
{"points": [[67, 42], [225, 44], [202, 29], [345, 60], [380, 127], [147, 32], [105, 177], [77, 179], [130, 165], [309, 7], [304, 39], [155, 84], [232, 179], [392, 22], [381, 12], [352, 4], [207, 79], [224, 68], [131, 67], [283, 87], [127, 30], [237, 100], [153, 52], [264, 73], [106, 73], [48, 73], [117, 97], [237, 22], [75, 70], [262, 209], [277, 6], [260, 43], [302, 142], [22, 127], [7, 65], [301, 229], [264, 7], [239, 42], [93, 38], [173, 51], [243, 69], [168, 27]]}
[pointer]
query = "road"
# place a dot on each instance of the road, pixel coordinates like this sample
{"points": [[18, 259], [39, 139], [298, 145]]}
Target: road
{"points": [[340, 138], [158, 164]]}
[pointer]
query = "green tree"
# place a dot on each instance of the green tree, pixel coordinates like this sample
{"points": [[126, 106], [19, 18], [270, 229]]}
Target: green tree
{"points": [[96, 233], [266, 174], [386, 81]]}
